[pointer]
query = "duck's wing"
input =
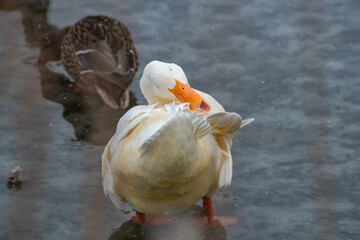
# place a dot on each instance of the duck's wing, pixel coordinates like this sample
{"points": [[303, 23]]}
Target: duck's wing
{"points": [[176, 139], [224, 125], [126, 124], [99, 53], [108, 179]]}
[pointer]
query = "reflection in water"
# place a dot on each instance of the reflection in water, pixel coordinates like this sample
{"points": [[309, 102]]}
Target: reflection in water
{"points": [[34, 18], [92, 120], [182, 227], [50, 46], [317, 106]]}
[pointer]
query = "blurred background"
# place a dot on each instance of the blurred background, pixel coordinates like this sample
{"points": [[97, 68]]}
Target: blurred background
{"points": [[292, 65]]}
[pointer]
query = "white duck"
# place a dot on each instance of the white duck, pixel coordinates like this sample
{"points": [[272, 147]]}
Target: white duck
{"points": [[167, 155]]}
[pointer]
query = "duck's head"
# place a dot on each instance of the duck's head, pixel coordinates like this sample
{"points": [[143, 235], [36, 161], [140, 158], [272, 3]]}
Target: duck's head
{"points": [[166, 82]]}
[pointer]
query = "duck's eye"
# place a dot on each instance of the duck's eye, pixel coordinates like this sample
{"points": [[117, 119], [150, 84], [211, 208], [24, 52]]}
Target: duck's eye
{"points": [[170, 69]]}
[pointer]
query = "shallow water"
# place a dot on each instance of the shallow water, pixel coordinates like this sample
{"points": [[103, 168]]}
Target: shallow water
{"points": [[293, 65]]}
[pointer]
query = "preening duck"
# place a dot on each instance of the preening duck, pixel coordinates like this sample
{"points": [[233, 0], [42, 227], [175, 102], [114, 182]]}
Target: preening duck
{"points": [[99, 54], [167, 155]]}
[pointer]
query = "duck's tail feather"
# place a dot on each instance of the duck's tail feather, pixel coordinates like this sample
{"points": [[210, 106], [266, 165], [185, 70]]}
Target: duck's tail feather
{"points": [[246, 122], [113, 93], [224, 123], [113, 99], [224, 126]]}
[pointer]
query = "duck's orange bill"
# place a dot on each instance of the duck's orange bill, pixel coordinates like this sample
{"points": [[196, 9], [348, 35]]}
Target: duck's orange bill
{"points": [[184, 93]]}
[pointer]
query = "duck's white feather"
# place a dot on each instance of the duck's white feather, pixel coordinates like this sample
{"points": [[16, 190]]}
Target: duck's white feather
{"points": [[224, 126], [225, 123], [225, 175], [246, 122], [128, 121], [108, 182], [132, 118], [174, 108], [182, 127]]}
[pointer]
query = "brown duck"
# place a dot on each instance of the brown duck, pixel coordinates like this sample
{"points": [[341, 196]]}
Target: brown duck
{"points": [[100, 56]]}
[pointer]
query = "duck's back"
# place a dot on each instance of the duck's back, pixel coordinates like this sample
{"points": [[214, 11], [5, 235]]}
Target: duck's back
{"points": [[100, 56]]}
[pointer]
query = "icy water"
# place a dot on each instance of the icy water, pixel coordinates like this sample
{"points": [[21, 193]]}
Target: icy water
{"points": [[292, 65]]}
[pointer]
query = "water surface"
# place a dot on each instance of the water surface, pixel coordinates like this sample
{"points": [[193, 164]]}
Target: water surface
{"points": [[293, 65]]}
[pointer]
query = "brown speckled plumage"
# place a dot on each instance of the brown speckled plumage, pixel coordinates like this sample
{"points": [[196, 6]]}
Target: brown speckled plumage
{"points": [[100, 56]]}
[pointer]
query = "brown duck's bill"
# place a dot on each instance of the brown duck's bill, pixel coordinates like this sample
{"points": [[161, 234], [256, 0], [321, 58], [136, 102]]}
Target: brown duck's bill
{"points": [[184, 93]]}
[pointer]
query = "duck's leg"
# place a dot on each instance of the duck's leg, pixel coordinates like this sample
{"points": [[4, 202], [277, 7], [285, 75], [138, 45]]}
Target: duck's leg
{"points": [[207, 204], [139, 218], [150, 220], [212, 221]]}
